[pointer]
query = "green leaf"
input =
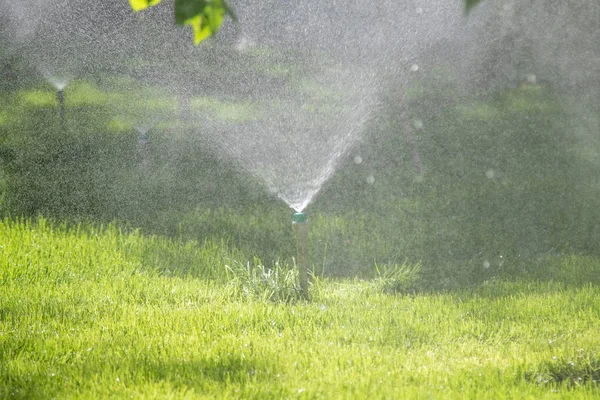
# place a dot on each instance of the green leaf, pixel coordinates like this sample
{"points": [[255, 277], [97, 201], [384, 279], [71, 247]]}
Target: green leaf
{"points": [[139, 5], [185, 10], [205, 16], [469, 4]]}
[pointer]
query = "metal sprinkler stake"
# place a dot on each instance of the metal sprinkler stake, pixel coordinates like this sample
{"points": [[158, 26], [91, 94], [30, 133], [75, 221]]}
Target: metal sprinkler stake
{"points": [[60, 95], [301, 228]]}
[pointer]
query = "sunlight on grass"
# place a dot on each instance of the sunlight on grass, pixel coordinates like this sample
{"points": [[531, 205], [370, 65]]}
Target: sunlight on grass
{"points": [[119, 125], [85, 94], [482, 112], [37, 98], [226, 111], [528, 99]]}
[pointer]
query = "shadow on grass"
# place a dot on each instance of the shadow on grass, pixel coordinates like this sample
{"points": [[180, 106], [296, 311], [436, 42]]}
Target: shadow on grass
{"points": [[27, 386], [205, 375], [580, 370], [231, 368], [513, 277]]}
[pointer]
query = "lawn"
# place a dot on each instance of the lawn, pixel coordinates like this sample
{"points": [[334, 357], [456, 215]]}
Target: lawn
{"points": [[98, 312]]}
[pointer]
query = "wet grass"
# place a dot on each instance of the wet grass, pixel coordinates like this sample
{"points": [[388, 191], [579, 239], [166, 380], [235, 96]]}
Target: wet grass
{"points": [[90, 312]]}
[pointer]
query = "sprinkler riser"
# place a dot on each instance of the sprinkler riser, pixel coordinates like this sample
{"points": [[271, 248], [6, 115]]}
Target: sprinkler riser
{"points": [[60, 96], [301, 229]]}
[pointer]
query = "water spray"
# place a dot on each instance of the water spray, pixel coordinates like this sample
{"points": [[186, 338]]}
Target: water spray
{"points": [[60, 96], [301, 228]]}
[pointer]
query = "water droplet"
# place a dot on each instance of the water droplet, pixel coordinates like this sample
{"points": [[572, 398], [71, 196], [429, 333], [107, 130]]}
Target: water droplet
{"points": [[419, 10], [531, 78], [370, 179], [486, 264], [357, 159], [243, 44], [490, 173], [414, 68], [418, 124]]}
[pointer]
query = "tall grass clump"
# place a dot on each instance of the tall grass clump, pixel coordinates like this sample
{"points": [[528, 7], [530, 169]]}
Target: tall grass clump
{"points": [[397, 278], [255, 281], [581, 369]]}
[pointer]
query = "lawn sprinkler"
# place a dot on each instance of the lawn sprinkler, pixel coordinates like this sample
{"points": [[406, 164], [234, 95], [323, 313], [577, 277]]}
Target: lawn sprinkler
{"points": [[301, 228], [60, 96]]}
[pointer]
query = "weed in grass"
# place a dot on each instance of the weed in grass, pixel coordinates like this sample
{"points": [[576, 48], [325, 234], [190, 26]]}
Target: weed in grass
{"points": [[396, 279], [255, 281]]}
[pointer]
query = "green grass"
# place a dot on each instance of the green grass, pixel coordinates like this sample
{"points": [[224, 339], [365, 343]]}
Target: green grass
{"points": [[95, 312]]}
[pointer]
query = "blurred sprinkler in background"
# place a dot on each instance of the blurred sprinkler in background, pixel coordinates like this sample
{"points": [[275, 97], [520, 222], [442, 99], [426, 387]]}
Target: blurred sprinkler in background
{"points": [[60, 97]]}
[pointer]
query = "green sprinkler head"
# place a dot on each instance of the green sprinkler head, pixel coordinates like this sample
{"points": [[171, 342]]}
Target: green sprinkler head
{"points": [[299, 218]]}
